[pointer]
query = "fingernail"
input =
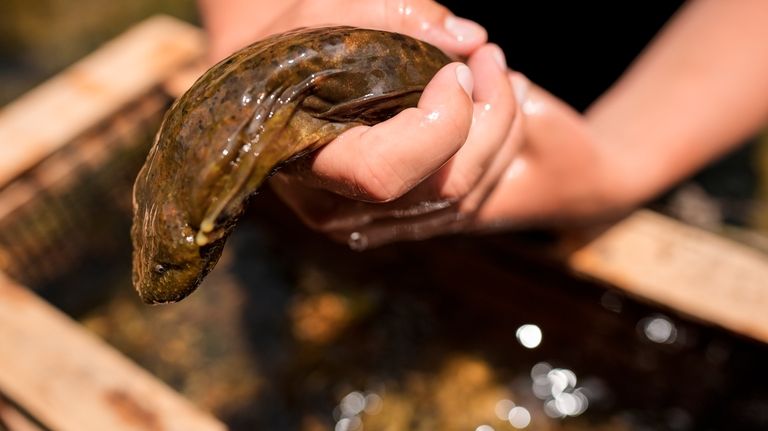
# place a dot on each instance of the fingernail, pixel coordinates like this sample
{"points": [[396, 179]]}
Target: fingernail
{"points": [[464, 76], [498, 55], [463, 29]]}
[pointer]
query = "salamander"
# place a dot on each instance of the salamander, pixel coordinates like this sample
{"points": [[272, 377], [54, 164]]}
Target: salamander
{"points": [[274, 101]]}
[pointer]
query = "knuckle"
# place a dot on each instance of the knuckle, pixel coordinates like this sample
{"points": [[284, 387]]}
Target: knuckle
{"points": [[456, 188]]}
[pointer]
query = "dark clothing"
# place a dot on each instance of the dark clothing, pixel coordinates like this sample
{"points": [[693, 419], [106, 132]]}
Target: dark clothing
{"points": [[575, 50]]}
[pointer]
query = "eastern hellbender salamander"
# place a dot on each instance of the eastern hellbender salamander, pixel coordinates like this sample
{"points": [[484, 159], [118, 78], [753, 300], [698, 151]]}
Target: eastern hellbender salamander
{"points": [[267, 104]]}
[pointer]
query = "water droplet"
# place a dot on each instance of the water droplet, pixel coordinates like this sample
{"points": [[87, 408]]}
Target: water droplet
{"points": [[532, 108], [357, 241]]}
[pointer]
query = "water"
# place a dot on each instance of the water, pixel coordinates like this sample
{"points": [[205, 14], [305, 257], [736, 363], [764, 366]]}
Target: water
{"points": [[290, 332]]}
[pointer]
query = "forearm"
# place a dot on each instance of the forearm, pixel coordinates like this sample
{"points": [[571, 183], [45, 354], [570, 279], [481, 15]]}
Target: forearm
{"points": [[699, 89]]}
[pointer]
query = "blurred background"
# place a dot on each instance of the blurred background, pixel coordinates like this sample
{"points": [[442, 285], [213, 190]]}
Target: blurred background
{"points": [[293, 332]]}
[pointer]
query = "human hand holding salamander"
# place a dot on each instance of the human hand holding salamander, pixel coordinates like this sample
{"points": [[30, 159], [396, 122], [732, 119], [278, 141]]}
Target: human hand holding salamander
{"points": [[514, 155]]}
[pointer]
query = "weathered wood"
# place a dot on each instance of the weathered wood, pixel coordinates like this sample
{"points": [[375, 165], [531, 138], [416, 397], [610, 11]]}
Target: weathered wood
{"points": [[687, 269], [72, 381], [61, 109]]}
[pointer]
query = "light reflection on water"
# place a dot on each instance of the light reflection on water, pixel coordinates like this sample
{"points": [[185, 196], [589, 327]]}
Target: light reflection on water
{"points": [[339, 341], [529, 336], [519, 417], [659, 329]]}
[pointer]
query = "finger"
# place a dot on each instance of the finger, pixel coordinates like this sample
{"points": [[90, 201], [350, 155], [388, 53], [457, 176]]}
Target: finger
{"points": [[520, 196], [317, 208], [528, 193], [429, 21], [493, 114], [383, 162], [508, 151], [487, 146], [423, 19]]}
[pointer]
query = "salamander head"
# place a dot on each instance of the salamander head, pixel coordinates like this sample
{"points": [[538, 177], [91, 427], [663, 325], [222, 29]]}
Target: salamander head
{"points": [[168, 264]]}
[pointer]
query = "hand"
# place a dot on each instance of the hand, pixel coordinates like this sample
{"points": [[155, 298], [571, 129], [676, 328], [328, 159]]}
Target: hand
{"points": [[563, 174], [233, 24], [427, 170], [461, 170], [529, 160]]}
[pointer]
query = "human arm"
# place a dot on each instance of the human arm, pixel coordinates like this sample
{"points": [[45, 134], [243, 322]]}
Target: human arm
{"points": [[699, 89]]}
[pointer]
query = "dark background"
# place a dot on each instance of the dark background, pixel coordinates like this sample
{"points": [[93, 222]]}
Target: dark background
{"points": [[576, 50]]}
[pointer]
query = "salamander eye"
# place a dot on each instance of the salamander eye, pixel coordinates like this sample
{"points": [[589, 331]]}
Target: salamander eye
{"points": [[160, 269]]}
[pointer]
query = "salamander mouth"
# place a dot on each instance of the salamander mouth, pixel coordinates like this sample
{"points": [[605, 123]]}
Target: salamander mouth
{"points": [[164, 282]]}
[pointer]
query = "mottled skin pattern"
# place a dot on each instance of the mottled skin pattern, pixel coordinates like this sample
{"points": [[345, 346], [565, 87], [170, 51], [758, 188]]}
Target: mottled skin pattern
{"points": [[271, 102]]}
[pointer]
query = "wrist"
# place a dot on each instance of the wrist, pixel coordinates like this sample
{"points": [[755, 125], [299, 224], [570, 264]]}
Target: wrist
{"points": [[632, 171]]}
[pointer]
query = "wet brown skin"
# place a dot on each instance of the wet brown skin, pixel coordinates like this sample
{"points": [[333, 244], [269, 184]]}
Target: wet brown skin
{"points": [[265, 105]]}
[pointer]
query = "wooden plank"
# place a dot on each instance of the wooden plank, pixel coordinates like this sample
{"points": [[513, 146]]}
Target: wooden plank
{"points": [[690, 270], [82, 96], [72, 381]]}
